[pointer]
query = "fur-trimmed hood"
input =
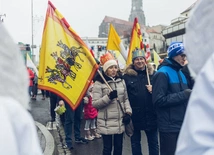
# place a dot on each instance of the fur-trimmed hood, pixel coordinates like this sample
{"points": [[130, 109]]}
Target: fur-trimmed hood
{"points": [[132, 72]]}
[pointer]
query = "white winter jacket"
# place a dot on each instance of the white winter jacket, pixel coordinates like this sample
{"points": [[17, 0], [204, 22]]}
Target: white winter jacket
{"points": [[109, 119]]}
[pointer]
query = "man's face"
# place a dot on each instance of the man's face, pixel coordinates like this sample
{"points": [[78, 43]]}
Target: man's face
{"points": [[139, 63], [181, 59]]}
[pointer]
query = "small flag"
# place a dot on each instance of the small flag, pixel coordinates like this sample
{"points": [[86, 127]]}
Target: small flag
{"points": [[30, 64], [136, 41], [114, 42], [148, 53], [156, 58]]}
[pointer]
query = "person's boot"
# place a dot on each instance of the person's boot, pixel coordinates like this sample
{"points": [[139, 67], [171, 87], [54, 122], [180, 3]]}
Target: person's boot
{"points": [[88, 135], [95, 134]]}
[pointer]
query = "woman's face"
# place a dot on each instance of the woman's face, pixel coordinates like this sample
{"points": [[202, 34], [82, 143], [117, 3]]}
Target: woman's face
{"points": [[112, 71]]}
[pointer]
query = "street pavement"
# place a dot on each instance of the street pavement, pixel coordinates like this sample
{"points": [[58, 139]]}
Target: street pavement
{"points": [[41, 114]]}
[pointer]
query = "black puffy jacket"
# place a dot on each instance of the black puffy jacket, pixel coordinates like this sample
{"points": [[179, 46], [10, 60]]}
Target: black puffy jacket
{"points": [[143, 114]]}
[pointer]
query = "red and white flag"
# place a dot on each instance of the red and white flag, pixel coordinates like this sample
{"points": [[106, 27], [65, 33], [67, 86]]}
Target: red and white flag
{"points": [[148, 53]]}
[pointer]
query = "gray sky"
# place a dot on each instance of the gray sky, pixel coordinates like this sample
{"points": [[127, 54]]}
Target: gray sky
{"points": [[84, 16]]}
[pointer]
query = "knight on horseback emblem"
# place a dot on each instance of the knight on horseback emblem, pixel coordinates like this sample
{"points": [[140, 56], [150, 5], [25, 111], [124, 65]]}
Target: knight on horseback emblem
{"points": [[63, 65]]}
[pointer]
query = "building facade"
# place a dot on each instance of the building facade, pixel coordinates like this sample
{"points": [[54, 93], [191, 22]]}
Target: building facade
{"points": [[98, 45], [122, 27], [176, 30]]}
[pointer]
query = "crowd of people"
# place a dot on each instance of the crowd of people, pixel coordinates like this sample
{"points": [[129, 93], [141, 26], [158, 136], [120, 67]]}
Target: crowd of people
{"points": [[157, 102], [155, 107]]}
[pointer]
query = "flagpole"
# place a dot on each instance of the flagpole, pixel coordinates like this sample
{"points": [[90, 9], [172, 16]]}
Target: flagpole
{"points": [[32, 43]]}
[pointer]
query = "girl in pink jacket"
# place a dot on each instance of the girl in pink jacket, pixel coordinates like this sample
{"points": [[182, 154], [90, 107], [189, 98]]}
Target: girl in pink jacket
{"points": [[90, 114]]}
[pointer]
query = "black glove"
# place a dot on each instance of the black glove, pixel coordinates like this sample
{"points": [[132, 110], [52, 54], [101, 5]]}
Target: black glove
{"points": [[187, 92], [126, 119], [113, 94]]}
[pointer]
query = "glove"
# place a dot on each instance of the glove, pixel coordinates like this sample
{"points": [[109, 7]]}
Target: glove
{"points": [[126, 119], [187, 92], [113, 94]]}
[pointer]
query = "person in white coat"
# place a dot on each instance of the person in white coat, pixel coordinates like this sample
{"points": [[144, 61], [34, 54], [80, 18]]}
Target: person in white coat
{"points": [[18, 135], [197, 133]]}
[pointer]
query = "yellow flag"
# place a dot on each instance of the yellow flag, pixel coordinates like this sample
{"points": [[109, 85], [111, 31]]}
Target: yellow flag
{"points": [[156, 58], [113, 40], [66, 64], [136, 41], [114, 43]]}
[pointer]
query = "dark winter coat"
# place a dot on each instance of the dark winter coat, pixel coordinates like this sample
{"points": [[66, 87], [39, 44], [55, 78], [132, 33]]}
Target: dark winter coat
{"points": [[169, 96], [143, 113], [190, 80]]}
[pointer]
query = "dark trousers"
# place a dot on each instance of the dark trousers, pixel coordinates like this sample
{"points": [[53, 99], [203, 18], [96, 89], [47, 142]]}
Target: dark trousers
{"points": [[35, 89], [53, 103], [152, 138], [43, 93], [168, 142], [117, 142], [47, 93], [70, 118]]}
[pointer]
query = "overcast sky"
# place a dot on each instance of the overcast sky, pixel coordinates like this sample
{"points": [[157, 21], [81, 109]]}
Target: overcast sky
{"points": [[84, 16]]}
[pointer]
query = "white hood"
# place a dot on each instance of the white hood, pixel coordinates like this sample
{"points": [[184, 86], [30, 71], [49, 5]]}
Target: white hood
{"points": [[199, 38], [13, 73], [196, 135]]}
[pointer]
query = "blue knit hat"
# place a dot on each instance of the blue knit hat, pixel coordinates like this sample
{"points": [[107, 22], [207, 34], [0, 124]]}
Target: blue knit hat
{"points": [[138, 53], [175, 48]]}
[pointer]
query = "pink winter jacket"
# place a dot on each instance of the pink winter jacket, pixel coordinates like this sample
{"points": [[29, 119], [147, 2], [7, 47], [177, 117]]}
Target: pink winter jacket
{"points": [[89, 111]]}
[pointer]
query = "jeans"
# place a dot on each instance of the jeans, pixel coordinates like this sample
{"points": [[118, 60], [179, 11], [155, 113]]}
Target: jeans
{"points": [[30, 88], [168, 142], [152, 138], [70, 118], [107, 144]]}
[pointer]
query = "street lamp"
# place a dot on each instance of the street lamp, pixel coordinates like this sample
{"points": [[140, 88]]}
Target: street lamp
{"points": [[33, 20]]}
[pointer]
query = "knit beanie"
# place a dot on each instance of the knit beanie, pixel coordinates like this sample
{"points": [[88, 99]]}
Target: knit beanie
{"points": [[108, 64], [107, 60], [175, 48]]}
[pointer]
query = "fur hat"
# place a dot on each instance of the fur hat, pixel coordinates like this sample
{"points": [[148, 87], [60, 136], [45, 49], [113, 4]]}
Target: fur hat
{"points": [[107, 60], [138, 53], [175, 48]]}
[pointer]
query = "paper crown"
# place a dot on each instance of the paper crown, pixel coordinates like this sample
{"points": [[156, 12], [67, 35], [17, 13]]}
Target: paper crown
{"points": [[138, 53], [104, 58]]}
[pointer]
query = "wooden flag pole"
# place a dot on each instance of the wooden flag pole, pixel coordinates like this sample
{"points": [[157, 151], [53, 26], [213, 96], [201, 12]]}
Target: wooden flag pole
{"points": [[104, 80], [147, 72]]}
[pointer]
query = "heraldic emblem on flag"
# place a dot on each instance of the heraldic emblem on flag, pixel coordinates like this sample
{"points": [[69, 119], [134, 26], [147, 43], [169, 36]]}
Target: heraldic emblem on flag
{"points": [[66, 65]]}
